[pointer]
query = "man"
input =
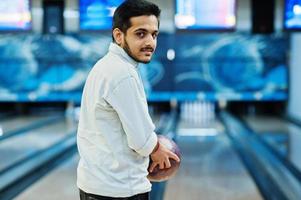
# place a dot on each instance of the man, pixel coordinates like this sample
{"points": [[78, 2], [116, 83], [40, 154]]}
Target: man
{"points": [[116, 134]]}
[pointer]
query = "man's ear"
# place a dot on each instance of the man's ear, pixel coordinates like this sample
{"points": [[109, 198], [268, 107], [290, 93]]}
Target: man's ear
{"points": [[118, 36]]}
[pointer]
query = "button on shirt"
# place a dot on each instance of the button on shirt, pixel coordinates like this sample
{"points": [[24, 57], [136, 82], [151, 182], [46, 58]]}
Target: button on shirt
{"points": [[115, 133]]}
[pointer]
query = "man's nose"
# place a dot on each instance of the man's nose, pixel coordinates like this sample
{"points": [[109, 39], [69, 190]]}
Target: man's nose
{"points": [[150, 40]]}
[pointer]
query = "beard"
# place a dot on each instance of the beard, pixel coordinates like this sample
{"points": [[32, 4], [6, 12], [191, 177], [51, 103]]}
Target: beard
{"points": [[127, 49]]}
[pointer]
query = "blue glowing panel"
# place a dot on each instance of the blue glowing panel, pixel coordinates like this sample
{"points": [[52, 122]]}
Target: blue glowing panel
{"points": [[186, 66], [97, 14], [205, 15], [292, 15], [38, 76], [241, 67], [15, 15]]}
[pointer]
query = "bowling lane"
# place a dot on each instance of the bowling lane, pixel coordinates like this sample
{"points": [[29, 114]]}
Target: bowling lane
{"points": [[210, 168], [61, 182], [21, 146], [283, 136], [13, 123]]}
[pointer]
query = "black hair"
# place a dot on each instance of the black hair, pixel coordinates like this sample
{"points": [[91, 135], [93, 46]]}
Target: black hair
{"points": [[133, 8]]}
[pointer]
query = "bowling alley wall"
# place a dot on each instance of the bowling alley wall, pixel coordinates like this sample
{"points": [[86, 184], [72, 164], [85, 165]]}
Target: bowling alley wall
{"points": [[234, 65]]}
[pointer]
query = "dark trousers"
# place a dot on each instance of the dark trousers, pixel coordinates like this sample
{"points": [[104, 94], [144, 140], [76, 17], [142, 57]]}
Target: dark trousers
{"points": [[87, 196]]}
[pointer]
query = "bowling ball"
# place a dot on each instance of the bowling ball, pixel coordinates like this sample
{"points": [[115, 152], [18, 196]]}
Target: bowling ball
{"points": [[158, 175]]}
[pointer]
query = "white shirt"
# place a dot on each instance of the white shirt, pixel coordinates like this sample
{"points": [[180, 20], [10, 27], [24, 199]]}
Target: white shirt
{"points": [[115, 134]]}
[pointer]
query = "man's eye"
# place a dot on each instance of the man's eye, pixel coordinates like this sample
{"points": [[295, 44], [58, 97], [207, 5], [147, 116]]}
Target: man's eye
{"points": [[140, 34], [155, 35]]}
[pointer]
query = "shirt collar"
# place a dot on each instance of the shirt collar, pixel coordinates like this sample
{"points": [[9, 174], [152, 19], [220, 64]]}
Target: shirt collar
{"points": [[114, 48]]}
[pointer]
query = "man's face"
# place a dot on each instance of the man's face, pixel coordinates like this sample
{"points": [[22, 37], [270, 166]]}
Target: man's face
{"points": [[140, 40]]}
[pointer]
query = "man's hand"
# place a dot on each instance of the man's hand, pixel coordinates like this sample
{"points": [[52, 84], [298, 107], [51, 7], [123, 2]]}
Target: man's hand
{"points": [[161, 157]]}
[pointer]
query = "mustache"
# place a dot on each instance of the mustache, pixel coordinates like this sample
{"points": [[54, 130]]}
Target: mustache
{"points": [[148, 49]]}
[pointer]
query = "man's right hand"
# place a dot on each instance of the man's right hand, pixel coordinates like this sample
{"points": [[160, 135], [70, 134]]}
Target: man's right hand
{"points": [[161, 157]]}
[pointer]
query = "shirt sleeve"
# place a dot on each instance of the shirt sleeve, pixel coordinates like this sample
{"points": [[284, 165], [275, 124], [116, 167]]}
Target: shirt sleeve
{"points": [[133, 112]]}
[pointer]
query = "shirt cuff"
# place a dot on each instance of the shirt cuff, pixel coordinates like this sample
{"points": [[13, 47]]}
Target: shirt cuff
{"points": [[149, 146]]}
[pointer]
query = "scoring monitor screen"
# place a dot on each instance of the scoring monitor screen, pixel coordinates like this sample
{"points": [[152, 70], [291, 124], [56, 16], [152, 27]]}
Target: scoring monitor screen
{"points": [[97, 14], [205, 15], [15, 15], [292, 15]]}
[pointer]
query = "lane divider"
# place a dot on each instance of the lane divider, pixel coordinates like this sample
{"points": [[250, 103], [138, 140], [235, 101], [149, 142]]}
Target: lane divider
{"points": [[32, 126], [18, 178], [273, 177], [167, 126]]}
